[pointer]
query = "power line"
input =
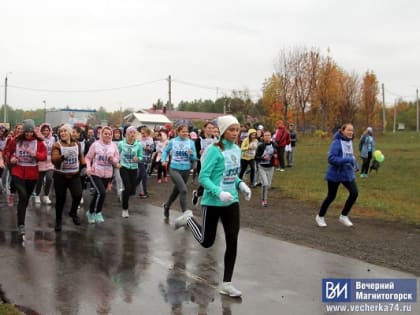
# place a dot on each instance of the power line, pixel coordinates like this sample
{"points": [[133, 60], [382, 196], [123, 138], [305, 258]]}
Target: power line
{"points": [[212, 88], [395, 94], [86, 90]]}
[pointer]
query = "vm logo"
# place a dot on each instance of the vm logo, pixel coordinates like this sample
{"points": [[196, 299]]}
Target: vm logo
{"points": [[336, 290]]}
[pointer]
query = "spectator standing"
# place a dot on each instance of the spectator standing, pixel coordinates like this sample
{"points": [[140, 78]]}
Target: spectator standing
{"points": [[366, 149], [281, 138], [290, 148]]}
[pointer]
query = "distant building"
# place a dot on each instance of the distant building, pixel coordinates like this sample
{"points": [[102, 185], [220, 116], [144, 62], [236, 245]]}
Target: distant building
{"points": [[401, 126], [78, 117], [145, 119]]}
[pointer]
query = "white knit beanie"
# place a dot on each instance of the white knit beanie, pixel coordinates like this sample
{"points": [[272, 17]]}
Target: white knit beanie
{"points": [[68, 128], [223, 122]]}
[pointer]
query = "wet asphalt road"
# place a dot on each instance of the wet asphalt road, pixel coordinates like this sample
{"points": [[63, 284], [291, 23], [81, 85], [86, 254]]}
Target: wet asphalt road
{"points": [[140, 265]]}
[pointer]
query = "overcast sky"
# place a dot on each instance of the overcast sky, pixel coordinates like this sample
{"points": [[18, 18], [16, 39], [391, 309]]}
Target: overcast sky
{"points": [[110, 53]]}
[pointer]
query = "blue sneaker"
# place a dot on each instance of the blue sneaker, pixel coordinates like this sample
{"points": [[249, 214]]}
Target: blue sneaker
{"points": [[99, 217], [91, 217]]}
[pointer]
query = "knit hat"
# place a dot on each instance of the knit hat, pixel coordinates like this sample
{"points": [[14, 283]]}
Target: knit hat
{"points": [[369, 129], [28, 125], [68, 128], [223, 122], [131, 128]]}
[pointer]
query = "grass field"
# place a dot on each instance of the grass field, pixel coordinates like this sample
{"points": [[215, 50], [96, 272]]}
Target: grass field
{"points": [[392, 194]]}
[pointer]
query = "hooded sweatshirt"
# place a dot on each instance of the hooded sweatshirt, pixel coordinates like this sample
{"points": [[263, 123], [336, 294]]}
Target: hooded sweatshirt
{"points": [[341, 159], [49, 142], [102, 156], [249, 148], [219, 172]]}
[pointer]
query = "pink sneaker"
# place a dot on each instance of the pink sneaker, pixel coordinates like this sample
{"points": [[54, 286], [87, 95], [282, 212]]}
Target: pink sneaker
{"points": [[159, 181], [165, 179], [10, 200]]}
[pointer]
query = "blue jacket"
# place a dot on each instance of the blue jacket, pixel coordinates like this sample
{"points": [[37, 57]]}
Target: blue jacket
{"points": [[341, 160]]}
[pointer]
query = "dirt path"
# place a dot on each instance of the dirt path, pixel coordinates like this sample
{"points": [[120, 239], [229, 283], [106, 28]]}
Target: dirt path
{"points": [[394, 245]]}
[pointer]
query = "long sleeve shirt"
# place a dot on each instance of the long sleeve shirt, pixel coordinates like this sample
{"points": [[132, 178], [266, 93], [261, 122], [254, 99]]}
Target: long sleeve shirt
{"points": [[180, 157], [219, 172]]}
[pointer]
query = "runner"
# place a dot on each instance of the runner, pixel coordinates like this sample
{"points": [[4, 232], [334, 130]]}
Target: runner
{"points": [[219, 177], [67, 157], [130, 154], [23, 154], [183, 154]]}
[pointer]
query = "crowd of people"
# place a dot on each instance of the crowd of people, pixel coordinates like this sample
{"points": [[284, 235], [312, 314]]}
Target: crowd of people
{"points": [[221, 155]]}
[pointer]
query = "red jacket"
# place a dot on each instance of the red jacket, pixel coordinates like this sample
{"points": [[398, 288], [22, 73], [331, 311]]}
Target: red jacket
{"points": [[282, 137], [25, 172]]}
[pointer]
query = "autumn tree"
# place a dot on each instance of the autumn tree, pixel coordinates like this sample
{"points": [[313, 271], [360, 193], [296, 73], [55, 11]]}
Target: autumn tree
{"points": [[368, 99], [284, 83], [348, 105], [305, 65], [326, 95]]}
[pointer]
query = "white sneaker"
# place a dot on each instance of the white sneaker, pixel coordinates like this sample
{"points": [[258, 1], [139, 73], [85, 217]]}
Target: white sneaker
{"points": [[345, 220], [228, 289], [125, 214], [183, 219], [320, 221], [81, 201], [37, 199], [46, 200]]}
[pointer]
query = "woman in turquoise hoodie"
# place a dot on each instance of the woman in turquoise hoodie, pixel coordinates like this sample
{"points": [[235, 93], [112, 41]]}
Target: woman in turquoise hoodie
{"points": [[131, 153], [219, 177], [183, 154]]}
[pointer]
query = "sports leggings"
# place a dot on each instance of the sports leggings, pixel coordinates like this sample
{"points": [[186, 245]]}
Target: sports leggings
{"points": [[206, 233], [332, 193]]}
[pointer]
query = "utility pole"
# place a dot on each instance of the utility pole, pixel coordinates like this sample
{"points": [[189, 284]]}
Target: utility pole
{"points": [[169, 93], [5, 100], [395, 115], [121, 118], [383, 109], [417, 101], [45, 110]]}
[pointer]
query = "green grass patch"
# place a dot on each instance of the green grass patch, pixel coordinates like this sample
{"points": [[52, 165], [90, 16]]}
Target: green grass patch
{"points": [[8, 309], [391, 194]]}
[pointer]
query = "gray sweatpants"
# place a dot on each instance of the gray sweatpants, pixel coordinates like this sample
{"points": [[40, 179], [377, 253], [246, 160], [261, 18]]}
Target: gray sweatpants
{"points": [[266, 177], [179, 178]]}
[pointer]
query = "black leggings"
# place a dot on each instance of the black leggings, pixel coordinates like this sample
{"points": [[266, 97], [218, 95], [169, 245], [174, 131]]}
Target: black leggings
{"points": [[62, 182], [332, 193], [129, 179], [100, 184], [24, 187], [244, 165], [366, 163], [206, 233]]}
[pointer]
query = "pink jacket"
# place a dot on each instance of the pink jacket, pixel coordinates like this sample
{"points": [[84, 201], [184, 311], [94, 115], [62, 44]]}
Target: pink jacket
{"points": [[48, 141], [102, 157]]}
